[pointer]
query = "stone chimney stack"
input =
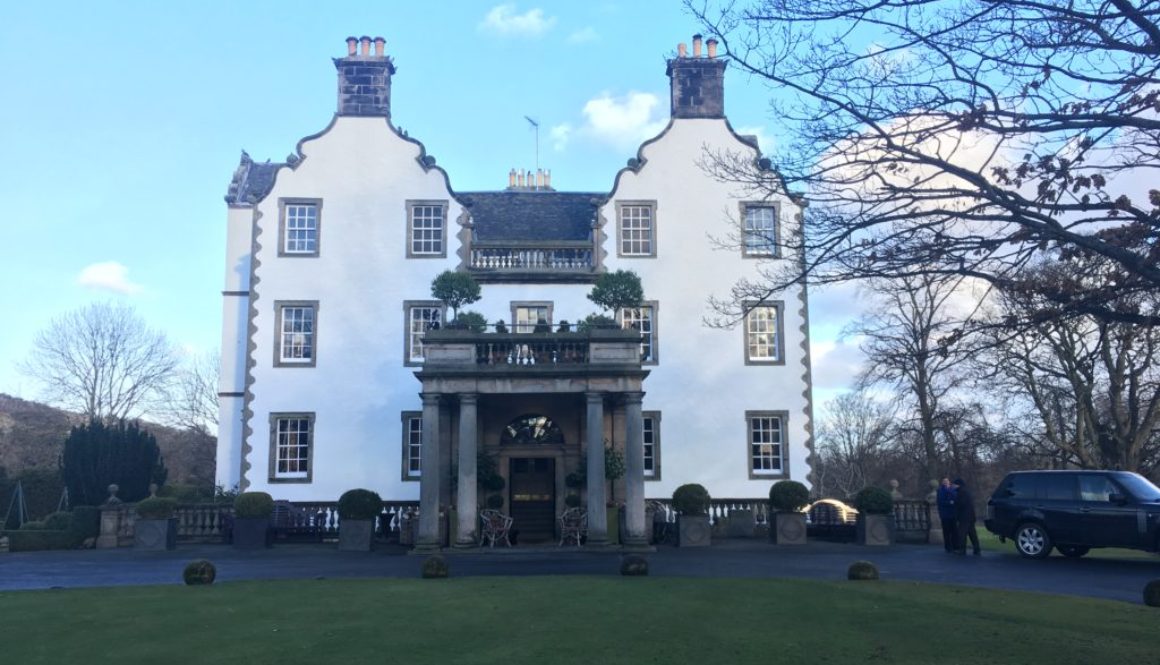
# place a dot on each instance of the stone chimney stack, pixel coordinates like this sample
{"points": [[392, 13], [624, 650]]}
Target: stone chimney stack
{"points": [[697, 82], [364, 78]]}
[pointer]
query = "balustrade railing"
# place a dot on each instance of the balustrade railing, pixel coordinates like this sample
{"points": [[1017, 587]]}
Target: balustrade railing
{"points": [[514, 352], [719, 509], [532, 259], [203, 523]]}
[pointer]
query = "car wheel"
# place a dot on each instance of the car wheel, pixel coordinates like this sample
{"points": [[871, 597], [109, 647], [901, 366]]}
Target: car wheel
{"points": [[1032, 541], [1072, 551]]}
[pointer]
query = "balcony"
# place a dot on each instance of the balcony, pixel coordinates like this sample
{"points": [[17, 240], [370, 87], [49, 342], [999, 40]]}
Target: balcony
{"points": [[532, 262]]}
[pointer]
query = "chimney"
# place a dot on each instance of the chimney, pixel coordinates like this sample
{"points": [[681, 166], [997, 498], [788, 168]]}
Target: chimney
{"points": [[512, 179], [364, 80], [548, 179], [520, 178], [539, 179], [697, 84]]}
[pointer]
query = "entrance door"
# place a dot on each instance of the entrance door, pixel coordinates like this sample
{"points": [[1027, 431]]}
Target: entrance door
{"points": [[533, 497]]}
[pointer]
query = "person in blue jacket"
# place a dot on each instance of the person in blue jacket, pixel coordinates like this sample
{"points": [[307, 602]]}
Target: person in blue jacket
{"points": [[946, 515]]}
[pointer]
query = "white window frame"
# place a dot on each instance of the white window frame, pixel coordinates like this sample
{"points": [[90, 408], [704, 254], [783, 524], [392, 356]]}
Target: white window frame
{"points": [[299, 227], [426, 232], [412, 335], [760, 237], [764, 334], [296, 348], [649, 348], [412, 445], [767, 445], [636, 229], [286, 432], [651, 433]]}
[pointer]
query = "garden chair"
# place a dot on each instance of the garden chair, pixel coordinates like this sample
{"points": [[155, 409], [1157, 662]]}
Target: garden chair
{"points": [[496, 526], [573, 525]]}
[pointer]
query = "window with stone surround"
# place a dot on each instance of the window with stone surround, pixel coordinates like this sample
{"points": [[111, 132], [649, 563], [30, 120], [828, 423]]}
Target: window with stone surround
{"points": [[636, 229], [426, 229], [652, 445], [763, 334], [767, 443], [291, 447], [526, 315], [412, 445], [298, 227], [759, 230], [643, 319], [297, 333], [420, 316]]}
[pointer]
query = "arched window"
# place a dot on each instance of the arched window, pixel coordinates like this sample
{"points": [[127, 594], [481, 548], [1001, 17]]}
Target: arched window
{"points": [[531, 429]]}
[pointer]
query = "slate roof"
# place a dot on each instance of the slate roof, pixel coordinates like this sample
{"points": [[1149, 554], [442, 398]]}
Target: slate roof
{"points": [[532, 216], [252, 181]]}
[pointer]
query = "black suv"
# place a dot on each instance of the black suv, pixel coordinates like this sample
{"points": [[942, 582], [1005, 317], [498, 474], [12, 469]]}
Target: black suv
{"points": [[1074, 511]]}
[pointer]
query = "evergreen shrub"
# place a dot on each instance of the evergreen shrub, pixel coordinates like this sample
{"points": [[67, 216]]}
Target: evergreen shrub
{"points": [[359, 504], [691, 499], [253, 505], [788, 496], [874, 501]]}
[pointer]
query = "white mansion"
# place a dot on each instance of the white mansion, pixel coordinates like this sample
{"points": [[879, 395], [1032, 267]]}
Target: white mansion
{"points": [[334, 376]]}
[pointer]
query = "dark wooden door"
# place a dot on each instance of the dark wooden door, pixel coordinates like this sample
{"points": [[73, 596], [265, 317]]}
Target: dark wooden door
{"points": [[533, 498]]}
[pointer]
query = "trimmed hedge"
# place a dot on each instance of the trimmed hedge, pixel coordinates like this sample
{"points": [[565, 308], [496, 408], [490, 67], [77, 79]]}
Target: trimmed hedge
{"points": [[435, 568], [34, 540], [86, 522], [788, 496], [691, 499], [199, 572], [156, 508], [359, 504], [254, 505], [58, 521], [874, 501]]}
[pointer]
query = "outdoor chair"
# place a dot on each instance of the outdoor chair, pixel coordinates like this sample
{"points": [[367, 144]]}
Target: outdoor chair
{"points": [[496, 527], [573, 525]]}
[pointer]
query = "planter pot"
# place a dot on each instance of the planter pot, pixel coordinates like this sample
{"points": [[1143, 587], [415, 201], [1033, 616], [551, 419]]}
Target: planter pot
{"points": [[875, 530], [252, 533], [740, 524], [355, 535], [614, 528], [788, 529], [693, 531], [155, 535]]}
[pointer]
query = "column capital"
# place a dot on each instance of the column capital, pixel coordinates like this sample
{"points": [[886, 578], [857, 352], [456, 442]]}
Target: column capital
{"points": [[633, 397], [430, 399], [468, 398], [594, 397]]}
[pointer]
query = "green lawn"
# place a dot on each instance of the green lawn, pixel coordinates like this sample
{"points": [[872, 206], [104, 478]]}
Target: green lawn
{"points": [[551, 620], [990, 542]]}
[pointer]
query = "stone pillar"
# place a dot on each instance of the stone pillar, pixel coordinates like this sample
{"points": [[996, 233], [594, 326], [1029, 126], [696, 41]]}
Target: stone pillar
{"points": [[635, 535], [468, 493], [428, 540], [597, 517]]}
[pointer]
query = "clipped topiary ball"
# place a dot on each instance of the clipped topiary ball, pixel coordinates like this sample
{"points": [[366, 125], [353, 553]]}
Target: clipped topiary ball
{"points": [[634, 565], [359, 504], [788, 496], [199, 572], [862, 570], [435, 567], [253, 505], [1152, 593], [59, 521], [874, 501], [691, 499]]}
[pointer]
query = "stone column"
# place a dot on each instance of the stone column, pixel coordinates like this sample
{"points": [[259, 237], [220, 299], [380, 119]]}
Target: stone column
{"points": [[635, 536], [597, 517], [468, 445], [428, 540]]}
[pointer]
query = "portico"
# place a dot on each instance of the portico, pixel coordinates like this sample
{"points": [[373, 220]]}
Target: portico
{"points": [[587, 385]]}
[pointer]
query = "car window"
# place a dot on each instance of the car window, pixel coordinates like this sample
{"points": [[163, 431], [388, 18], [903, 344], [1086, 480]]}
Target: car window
{"points": [[1139, 486], [1096, 488], [1060, 487], [1018, 486]]}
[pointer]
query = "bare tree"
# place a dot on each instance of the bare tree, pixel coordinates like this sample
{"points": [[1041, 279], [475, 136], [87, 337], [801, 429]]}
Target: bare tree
{"points": [[905, 342], [960, 137], [191, 400], [101, 361], [853, 435]]}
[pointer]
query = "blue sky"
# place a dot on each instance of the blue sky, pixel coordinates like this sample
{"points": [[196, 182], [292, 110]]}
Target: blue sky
{"points": [[124, 121]]}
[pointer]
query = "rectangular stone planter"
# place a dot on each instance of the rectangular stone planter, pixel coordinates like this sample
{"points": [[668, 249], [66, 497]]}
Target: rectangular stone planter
{"points": [[252, 533], [693, 531], [875, 530], [355, 535], [788, 529], [155, 535]]}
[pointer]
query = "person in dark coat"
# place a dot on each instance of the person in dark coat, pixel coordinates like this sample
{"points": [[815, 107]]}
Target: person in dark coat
{"points": [[946, 515], [965, 516]]}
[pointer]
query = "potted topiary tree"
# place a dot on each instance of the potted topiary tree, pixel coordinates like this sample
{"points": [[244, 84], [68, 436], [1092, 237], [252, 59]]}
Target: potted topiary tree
{"points": [[788, 523], [875, 524], [252, 511], [156, 527], [455, 289], [357, 510], [692, 505]]}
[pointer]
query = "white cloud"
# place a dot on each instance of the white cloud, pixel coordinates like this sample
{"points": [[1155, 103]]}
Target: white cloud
{"points": [[560, 135], [835, 364], [583, 36], [764, 141], [622, 121], [503, 20], [108, 276]]}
